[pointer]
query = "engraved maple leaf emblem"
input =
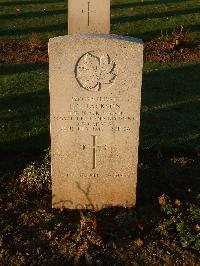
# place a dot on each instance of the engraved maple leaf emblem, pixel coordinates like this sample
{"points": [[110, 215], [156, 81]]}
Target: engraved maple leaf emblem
{"points": [[94, 72]]}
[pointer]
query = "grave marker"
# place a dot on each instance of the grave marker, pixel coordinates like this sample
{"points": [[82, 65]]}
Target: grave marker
{"points": [[95, 95], [88, 16]]}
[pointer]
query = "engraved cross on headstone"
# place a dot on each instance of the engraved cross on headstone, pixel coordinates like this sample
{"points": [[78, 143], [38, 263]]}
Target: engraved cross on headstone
{"points": [[83, 120], [88, 16], [88, 13], [95, 147]]}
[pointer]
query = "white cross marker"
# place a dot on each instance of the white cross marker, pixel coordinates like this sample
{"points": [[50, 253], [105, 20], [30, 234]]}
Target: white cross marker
{"points": [[88, 16]]}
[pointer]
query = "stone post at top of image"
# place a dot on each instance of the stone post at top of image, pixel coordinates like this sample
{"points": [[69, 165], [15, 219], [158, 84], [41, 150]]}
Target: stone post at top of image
{"points": [[88, 16]]}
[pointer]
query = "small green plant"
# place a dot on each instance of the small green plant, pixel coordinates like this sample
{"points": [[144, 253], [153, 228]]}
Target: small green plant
{"points": [[37, 175], [169, 209], [182, 222]]}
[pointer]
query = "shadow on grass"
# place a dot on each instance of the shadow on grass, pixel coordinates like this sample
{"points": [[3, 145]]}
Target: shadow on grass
{"points": [[25, 115], [146, 3], [24, 106], [170, 120], [149, 35], [33, 14], [10, 69], [170, 100], [28, 2], [170, 127], [21, 32], [28, 145], [154, 15]]}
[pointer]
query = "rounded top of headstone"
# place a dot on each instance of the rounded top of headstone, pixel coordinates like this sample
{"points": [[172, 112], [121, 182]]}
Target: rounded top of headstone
{"points": [[97, 36]]}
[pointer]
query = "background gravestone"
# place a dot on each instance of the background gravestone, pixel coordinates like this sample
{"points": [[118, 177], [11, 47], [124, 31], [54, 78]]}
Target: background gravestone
{"points": [[89, 16], [95, 92]]}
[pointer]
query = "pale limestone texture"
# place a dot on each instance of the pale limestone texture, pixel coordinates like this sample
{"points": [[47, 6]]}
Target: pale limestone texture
{"points": [[88, 16], [95, 95]]}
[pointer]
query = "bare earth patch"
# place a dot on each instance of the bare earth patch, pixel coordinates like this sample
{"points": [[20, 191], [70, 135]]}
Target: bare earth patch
{"points": [[162, 51], [163, 229], [23, 51], [154, 51]]}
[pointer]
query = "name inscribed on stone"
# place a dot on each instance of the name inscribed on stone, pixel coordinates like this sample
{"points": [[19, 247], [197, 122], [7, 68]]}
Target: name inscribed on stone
{"points": [[95, 114], [95, 95]]}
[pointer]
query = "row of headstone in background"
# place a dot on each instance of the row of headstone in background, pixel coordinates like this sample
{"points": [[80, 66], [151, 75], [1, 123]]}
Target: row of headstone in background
{"points": [[87, 17], [95, 94]]}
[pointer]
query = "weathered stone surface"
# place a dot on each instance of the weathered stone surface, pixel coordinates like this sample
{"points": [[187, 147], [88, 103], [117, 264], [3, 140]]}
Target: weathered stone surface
{"points": [[88, 16], [95, 94]]}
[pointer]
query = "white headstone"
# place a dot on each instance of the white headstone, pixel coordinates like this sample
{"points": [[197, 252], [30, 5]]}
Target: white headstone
{"points": [[88, 16], [95, 92]]}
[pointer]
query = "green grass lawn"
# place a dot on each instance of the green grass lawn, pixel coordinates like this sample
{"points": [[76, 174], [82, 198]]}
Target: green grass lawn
{"points": [[170, 95], [170, 104], [144, 19], [24, 107]]}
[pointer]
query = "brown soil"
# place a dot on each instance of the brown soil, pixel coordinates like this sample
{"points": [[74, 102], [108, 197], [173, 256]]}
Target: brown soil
{"points": [[163, 51], [155, 51], [34, 234], [23, 51]]}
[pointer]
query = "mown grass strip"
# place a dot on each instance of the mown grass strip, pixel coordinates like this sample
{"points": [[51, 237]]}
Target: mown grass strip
{"points": [[170, 102], [143, 19]]}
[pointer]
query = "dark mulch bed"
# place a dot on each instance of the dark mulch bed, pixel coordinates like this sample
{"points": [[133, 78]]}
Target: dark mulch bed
{"points": [[23, 51], [155, 51], [32, 233], [162, 51]]}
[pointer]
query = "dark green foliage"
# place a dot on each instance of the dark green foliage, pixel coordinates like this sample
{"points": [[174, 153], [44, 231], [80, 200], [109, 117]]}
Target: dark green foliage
{"points": [[182, 222]]}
